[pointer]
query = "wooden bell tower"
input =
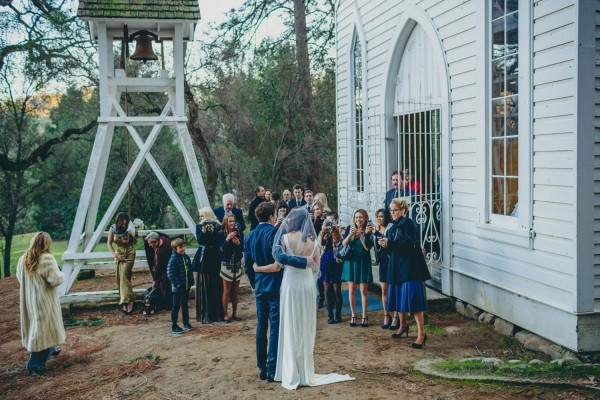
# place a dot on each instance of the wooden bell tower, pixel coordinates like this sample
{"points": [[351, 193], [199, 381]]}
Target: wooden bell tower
{"points": [[123, 20]]}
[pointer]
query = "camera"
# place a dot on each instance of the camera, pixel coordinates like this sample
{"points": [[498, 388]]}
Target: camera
{"points": [[370, 223], [280, 213], [328, 223]]}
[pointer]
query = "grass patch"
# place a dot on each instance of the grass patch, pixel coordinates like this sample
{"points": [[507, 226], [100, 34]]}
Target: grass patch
{"points": [[434, 329], [544, 370], [149, 356], [74, 322]]}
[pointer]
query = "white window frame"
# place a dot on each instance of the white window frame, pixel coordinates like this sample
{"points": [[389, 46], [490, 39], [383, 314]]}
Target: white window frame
{"points": [[513, 230], [357, 35]]}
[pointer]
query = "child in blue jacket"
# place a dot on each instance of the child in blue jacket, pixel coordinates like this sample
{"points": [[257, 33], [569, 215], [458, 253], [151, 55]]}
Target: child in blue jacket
{"points": [[181, 276]]}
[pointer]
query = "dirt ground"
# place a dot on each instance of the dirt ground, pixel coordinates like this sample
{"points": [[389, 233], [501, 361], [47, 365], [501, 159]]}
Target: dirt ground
{"points": [[118, 358]]}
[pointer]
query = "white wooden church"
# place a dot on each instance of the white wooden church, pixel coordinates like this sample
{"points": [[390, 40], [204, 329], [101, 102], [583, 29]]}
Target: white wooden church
{"points": [[491, 107]]}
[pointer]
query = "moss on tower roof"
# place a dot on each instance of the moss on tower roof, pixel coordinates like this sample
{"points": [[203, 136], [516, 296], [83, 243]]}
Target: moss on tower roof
{"points": [[144, 9]]}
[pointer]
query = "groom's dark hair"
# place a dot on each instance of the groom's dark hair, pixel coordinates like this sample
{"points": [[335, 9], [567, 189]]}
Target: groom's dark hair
{"points": [[264, 211]]}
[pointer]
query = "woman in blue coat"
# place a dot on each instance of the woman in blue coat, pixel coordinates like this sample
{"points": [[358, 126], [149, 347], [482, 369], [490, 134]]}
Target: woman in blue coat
{"points": [[407, 271]]}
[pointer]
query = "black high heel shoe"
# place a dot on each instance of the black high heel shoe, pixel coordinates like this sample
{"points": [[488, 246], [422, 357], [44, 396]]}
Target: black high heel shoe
{"points": [[353, 321], [386, 321], [419, 345], [365, 322], [399, 335], [393, 326]]}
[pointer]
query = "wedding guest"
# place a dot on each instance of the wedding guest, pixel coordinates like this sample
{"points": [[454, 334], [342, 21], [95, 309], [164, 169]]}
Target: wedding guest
{"points": [[259, 192], [287, 196], [282, 210], [322, 198], [231, 239], [317, 216], [158, 252], [275, 198], [383, 219], [230, 208], [411, 183], [268, 194], [124, 235], [182, 279], [298, 199], [407, 271], [357, 270], [309, 199], [209, 286], [42, 326], [331, 269]]}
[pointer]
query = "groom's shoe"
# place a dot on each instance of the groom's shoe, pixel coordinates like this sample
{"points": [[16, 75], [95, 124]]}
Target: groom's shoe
{"points": [[270, 378], [263, 375]]}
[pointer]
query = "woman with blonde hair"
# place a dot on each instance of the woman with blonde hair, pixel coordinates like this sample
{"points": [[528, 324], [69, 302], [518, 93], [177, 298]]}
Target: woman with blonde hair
{"points": [[207, 264], [357, 270], [322, 198], [41, 318], [407, 271]]}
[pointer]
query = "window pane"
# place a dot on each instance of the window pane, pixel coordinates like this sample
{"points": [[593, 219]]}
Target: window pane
{"points": [[498, 156], [512, 195], [498, 117], [512, 75], [497, 8], [498, 195], [512, 5], [512, 34], [498, 77], [498, 38], [512, 156], [512, 115]]}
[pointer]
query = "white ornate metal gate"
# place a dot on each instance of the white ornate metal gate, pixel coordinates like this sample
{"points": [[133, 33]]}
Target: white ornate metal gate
{"points": [[418, 137]]}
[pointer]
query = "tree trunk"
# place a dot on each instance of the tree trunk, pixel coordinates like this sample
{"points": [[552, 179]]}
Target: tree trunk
{"points": [[195, 129], [8, 238], [307, 112]]}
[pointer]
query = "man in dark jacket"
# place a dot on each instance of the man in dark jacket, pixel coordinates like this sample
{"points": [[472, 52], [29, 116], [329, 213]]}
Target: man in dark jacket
{"points": [[182, 279], [258, 248], [158, 252], [229, 208], [298, 199], [259, 191]]}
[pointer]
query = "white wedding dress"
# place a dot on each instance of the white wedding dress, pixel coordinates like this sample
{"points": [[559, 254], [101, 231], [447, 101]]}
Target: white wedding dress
{"points": [[298, 329]]}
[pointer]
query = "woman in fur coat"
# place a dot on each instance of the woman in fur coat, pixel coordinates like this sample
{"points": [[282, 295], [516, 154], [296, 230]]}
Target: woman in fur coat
{"points": [[41, 319]]}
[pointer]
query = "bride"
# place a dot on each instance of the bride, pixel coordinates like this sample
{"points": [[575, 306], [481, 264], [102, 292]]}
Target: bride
{"points": [[298, 311]]}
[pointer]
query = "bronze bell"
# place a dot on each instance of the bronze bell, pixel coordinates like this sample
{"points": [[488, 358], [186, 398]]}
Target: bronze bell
{"points": [[143, 49]]}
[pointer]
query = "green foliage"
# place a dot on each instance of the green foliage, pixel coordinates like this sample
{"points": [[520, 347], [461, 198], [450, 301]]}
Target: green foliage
{"points": [[149, 356], [544, 370], [74, 322], [21, 243]]}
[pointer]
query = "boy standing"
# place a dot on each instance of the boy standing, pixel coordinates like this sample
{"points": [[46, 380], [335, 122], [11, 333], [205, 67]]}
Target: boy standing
{"points": [[181, 276]]}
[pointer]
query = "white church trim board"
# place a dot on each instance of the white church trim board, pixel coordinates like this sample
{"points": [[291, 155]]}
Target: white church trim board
{"points": [[491, 106]]}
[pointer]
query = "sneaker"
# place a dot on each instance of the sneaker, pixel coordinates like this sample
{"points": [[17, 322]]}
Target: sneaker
{"points": [[187, 327], [177, 330]]}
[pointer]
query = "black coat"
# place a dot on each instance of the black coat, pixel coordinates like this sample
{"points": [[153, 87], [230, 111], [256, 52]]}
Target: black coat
{"points": [[406, 259]]}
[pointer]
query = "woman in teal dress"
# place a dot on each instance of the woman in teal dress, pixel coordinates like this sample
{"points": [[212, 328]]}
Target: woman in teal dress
{"points": [[357, 270]]}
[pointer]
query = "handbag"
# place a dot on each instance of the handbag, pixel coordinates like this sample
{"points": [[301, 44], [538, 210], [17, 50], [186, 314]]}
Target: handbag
{"points": [[344, 252]]}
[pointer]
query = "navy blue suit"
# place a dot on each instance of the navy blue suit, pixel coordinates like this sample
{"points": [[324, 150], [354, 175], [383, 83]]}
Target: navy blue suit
{"points": [[393, 193], [295, 203], [239, 216], [258, 247]]}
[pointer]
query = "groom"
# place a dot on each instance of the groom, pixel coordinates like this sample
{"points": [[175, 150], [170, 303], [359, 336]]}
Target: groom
{"points": [[258, 246]]}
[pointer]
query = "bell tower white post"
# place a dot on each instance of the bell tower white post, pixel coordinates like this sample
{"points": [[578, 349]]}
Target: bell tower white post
{"points": [[171, 20]]}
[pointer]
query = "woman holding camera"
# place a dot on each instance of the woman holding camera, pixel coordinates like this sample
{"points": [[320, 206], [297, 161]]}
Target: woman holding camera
{"points": [[331, 268], [231, 238], [407, 271], [317, 216], [383, 219], [357, 270], [207, 263]]}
